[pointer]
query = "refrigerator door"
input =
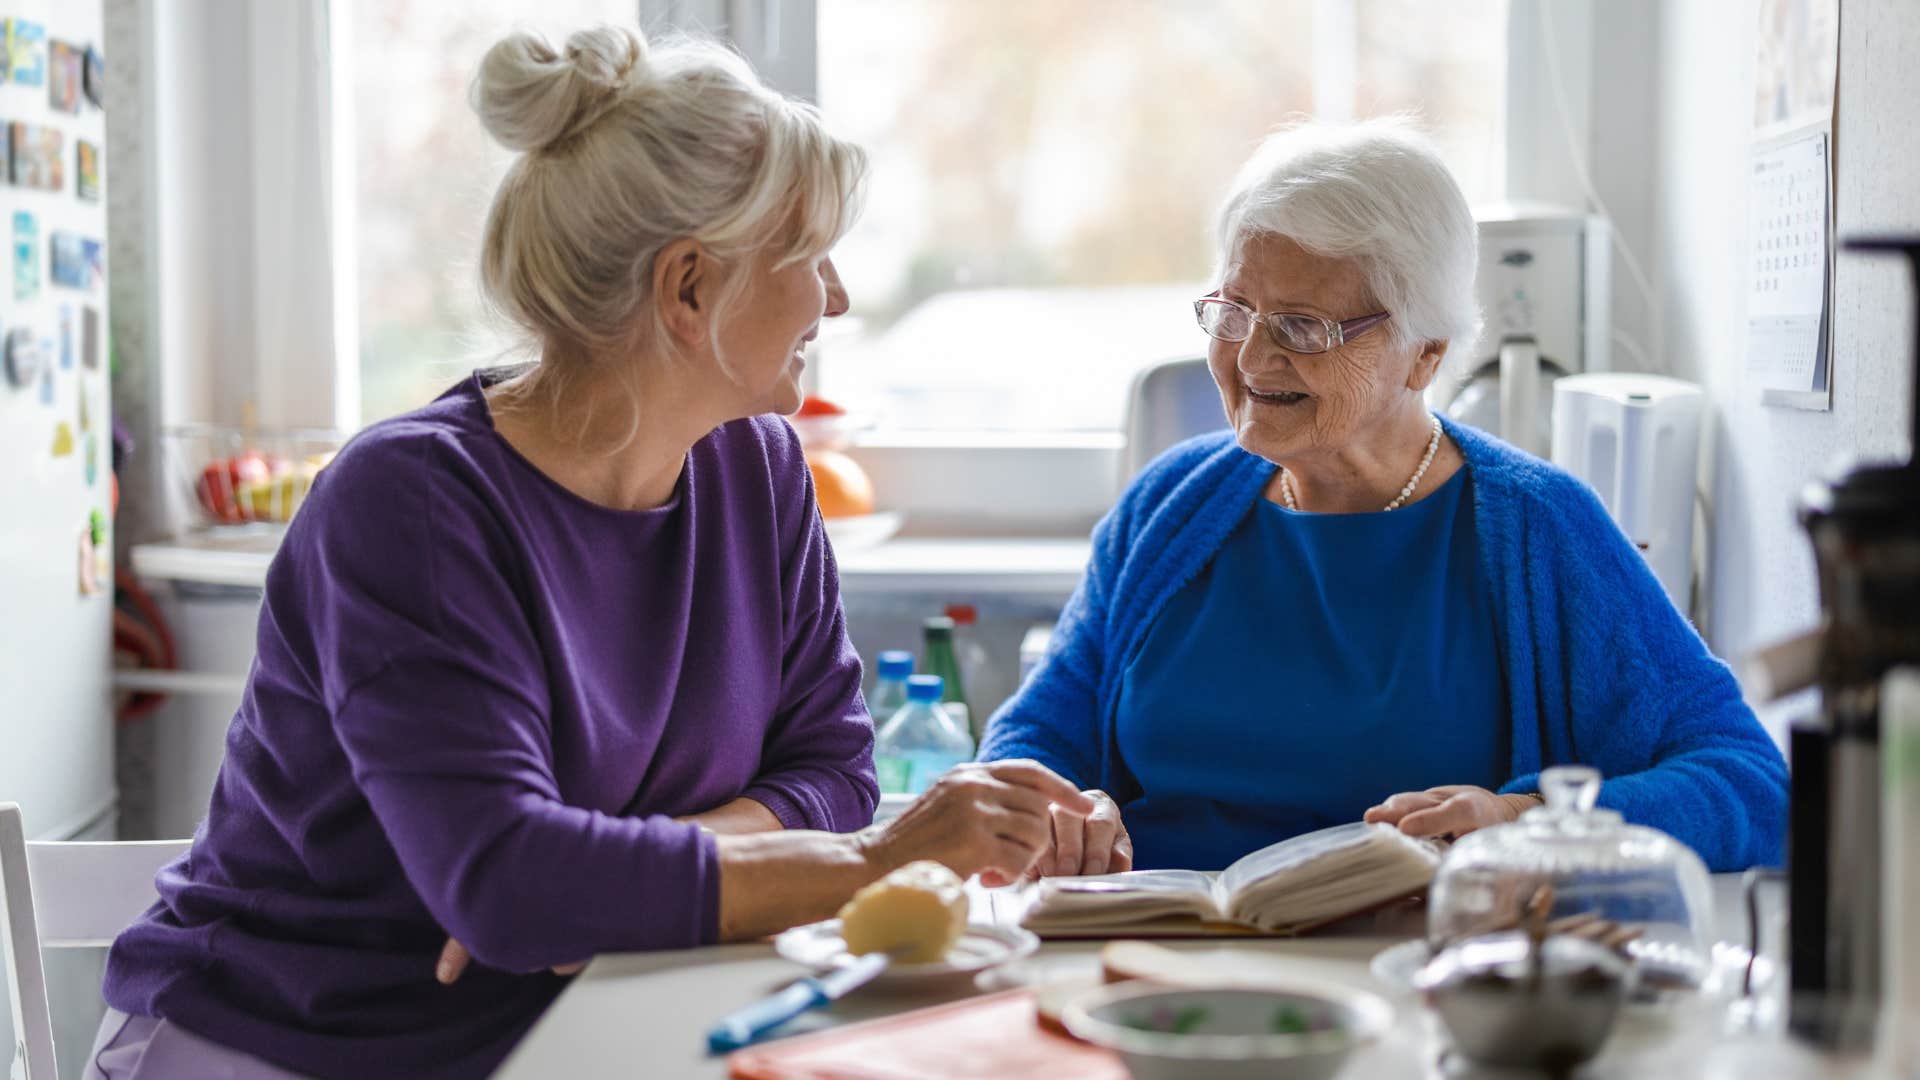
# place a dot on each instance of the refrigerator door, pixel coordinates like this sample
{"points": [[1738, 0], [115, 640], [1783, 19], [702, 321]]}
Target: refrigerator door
{"points": [[56, 468]]}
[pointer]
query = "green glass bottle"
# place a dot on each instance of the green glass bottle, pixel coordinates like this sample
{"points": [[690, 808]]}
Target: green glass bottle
{"points": [[938, 658]]}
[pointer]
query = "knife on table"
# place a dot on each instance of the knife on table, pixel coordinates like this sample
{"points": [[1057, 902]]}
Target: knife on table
{"points": [[749, 1023]]}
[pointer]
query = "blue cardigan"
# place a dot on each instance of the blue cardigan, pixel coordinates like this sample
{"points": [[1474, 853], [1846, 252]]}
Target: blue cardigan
{"points": [[1601, 668]]}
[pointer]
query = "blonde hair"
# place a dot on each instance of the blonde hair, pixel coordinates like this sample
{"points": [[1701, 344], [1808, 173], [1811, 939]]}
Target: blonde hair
{"points": [[1376, 192], [624, 150]]}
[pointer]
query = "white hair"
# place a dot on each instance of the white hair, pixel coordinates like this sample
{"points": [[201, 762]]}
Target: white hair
{"points": [[625, 150], [1377, 193]]}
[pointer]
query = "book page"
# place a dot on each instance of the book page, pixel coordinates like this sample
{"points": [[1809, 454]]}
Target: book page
{"points": [[1108, 898], [1327, 874]]}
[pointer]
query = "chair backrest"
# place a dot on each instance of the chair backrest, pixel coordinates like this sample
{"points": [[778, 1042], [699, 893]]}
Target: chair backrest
{"points": [[64, 895], [1168, 402]]}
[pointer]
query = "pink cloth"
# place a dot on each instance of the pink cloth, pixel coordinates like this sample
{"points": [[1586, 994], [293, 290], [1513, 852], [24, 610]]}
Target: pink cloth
{"points": [[142, 1048]]}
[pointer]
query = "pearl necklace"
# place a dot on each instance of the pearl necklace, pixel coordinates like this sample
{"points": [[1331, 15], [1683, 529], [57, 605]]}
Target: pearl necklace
{"points": [[1433, 444]]}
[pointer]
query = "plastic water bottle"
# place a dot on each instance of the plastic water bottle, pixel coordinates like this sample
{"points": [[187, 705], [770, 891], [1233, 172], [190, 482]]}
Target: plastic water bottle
{"points": [[889, 684], [919, 741]]}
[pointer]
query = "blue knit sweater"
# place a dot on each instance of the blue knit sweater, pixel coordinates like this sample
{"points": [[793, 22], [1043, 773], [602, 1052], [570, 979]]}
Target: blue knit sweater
{"points": [[1601, 668]]}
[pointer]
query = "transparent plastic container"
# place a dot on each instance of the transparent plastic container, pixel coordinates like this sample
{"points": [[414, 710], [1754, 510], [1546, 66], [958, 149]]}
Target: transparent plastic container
{"points": [[920, 741], [1648, 894], [245, 477]]}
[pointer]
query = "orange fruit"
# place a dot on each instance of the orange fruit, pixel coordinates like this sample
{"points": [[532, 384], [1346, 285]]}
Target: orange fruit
{"points": [[840, 485]]}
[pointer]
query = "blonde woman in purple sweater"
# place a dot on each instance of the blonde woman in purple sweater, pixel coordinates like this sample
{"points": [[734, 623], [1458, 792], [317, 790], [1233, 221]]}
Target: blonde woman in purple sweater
{"points": [[557, 664]]}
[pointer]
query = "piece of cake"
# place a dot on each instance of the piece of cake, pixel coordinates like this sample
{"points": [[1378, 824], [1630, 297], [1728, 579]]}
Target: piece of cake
{"points": [[916, 913]]}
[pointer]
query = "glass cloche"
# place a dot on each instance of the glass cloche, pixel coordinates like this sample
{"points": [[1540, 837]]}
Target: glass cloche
{"points": [[1581, 871]]}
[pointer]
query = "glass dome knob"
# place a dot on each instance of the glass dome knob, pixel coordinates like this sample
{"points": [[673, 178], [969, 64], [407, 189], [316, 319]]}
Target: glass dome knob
{"points": [[1570, 789]]}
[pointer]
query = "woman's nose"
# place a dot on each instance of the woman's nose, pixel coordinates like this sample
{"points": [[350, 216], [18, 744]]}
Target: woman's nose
{"points": [[1259, 353], [837, 301]]}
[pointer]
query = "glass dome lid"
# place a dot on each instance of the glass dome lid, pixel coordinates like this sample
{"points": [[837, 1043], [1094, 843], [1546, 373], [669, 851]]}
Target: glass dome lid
{"points": [[1585, 872]]}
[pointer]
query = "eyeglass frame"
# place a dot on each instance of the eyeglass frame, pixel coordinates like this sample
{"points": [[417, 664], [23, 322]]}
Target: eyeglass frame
{"points": [[1338, 333]]}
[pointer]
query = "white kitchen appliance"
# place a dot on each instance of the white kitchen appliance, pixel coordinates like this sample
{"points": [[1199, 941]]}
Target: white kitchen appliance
{"points": [[1542, 286], [1635, 439], [56, 458]]}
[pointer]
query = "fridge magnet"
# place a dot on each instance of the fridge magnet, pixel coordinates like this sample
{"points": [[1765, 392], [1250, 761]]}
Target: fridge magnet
{"points": [[93, 458], [96, 555], [46, 375], [36, 157], [94, 254], [26, 51], [26, 268], [6, 50], [90, 338], [62, 439], [94, 77], [66, 337], [86, 409], [64, 65], [23, 358], [71, 261], [86, 170]]}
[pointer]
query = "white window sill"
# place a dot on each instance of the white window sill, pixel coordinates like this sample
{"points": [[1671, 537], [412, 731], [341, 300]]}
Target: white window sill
{"points": [[1025, 567]]}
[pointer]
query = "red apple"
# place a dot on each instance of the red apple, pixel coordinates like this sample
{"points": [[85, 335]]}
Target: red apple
{"points": [[219, 486]]}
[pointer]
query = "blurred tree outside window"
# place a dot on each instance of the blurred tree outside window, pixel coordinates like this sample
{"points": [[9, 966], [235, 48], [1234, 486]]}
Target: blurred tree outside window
{"points": [[1039, 210], [1044, 178], [426, 172]]}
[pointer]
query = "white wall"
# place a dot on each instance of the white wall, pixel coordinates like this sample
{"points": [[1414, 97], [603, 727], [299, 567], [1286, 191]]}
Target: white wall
{"points": [[1762, 583]]}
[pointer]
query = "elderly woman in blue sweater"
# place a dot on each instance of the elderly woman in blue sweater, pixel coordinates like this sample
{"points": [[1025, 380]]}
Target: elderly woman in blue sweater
{"points": [[1348, 607]]}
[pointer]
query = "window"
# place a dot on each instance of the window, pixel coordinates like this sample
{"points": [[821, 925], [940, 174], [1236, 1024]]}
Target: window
{"points": [[1044, 177], [425, 171]]}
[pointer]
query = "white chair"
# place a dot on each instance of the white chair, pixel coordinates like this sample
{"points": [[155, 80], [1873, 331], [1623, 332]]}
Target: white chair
{"points": [[1168, 402], [76, 894]]}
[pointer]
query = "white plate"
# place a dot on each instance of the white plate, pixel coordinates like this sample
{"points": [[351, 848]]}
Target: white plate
{"points": [[982, 946], [1396, 966], [863, 530]]}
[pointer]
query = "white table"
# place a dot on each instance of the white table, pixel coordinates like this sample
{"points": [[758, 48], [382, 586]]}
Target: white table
{"points": [[646, 1014]]}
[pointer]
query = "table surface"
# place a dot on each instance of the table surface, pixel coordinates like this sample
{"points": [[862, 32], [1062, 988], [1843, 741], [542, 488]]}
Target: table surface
{"points": [[646, 1014]]}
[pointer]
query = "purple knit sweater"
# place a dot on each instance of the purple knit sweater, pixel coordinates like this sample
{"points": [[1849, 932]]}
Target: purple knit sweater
{"points": [[478, 702]]}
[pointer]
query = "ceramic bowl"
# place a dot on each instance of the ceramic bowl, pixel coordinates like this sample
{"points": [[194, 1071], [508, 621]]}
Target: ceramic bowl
{"points": [[1296, 1033]]}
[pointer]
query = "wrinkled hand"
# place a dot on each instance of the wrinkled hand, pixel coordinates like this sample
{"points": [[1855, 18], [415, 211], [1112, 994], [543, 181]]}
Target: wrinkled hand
{"points": [[1095, 843], [1450, 810], [992, 818], [454, 959]]}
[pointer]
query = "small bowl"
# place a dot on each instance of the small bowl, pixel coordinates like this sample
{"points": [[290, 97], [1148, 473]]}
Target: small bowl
{"points": [[1225, 1033], [1503, 1011]]}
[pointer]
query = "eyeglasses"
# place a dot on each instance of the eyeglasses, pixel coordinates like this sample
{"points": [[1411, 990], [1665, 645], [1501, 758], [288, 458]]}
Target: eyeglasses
{"points": [[1227, 321]]}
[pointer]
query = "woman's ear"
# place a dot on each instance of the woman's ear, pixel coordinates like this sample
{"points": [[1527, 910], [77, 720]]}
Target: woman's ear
{"points": [[1426, 365], [682, 285]]}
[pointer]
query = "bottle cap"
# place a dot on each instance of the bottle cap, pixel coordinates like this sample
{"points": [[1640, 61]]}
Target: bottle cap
{"points": [[925, 687], [895, 664], [937, 626]]}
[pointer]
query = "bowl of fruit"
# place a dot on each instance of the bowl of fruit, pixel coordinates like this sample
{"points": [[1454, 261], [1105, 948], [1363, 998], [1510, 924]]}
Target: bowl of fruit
{"points": [[840, 485], [247, 476]]}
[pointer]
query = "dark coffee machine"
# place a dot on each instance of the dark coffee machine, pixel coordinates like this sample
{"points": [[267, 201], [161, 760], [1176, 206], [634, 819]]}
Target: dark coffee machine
{"points": [[1865, 527]]}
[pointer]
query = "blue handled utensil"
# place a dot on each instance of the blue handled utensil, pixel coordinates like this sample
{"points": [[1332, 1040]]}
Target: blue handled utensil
{"points": [[747, 1024]]}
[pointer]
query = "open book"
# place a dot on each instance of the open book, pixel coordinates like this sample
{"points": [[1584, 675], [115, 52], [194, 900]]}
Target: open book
{"points": [[1291, 886]]}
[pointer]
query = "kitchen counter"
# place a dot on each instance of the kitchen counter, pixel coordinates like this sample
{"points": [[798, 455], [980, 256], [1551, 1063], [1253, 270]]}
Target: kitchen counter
{"points": [[1027, 567]]}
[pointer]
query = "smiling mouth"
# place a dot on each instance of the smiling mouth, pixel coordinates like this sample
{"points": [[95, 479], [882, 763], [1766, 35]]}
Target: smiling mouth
{"points": [[1277, 397]]}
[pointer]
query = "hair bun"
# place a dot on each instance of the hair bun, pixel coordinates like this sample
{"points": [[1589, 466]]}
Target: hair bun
{"points": [[530, 95]]}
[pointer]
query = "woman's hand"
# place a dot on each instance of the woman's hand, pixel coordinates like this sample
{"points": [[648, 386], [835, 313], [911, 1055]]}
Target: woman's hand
{"points": [[454, 959], [994, 818], [1095, 843], [1451, 810]]}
